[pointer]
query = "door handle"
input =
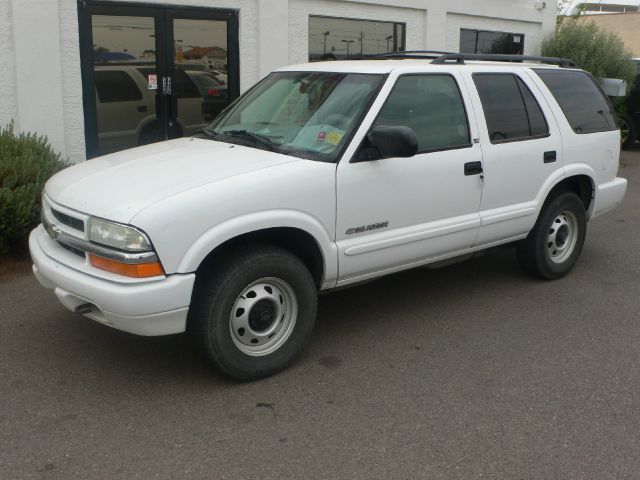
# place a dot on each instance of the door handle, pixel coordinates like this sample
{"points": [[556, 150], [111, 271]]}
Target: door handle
{"points": [[142, 108], [473, 168], [166, 85], [550, 157]]}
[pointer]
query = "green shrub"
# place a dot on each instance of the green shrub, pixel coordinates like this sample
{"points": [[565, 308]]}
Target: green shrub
{"points": [[597, 51], [26, 162]]}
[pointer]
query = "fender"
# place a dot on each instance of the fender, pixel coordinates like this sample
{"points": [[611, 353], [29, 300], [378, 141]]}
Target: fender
{"points": [[256, 221], [571, 170]]}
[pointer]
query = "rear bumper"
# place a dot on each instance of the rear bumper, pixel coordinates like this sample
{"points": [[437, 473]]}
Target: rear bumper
{"points": [[157, 307], [609, 196]]}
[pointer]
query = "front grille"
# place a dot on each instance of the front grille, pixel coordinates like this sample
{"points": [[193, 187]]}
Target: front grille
{"points": [[68, 220], [74, 250]]}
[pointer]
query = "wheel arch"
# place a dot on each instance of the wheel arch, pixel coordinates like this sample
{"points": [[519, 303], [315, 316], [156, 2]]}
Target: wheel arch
{"points": [[306, 239], [577, 179], [582, 185]]}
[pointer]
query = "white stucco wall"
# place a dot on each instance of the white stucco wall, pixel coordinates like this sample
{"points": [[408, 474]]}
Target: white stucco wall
{"points": [[8, 94], [42, 36]]}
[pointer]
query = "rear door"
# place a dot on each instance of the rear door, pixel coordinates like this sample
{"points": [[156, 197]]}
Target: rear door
{"points": [[522, 151]]}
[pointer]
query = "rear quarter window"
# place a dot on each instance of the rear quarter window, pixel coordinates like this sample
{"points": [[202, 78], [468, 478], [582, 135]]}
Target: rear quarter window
{"points": [[583, 103]]}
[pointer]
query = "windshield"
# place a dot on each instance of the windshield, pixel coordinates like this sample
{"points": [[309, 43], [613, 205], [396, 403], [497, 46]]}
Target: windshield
{"points": [[305, 114]]}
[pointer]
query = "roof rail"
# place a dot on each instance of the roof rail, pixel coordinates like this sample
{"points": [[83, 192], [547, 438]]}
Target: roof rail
{"points": [[459, 58], [419, 54]]}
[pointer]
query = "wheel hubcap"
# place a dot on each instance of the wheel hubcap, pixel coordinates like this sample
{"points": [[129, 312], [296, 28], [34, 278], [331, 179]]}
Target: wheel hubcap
{"points": [[563, 236], [263, 316]]}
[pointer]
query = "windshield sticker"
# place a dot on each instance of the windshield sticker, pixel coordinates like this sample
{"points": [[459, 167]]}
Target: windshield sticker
{"points": [[321, 136], [334, 138]]}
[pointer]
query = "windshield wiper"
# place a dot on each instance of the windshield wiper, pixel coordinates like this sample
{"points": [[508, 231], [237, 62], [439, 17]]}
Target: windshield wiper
{"points": [[207, 133], [261, 139]]}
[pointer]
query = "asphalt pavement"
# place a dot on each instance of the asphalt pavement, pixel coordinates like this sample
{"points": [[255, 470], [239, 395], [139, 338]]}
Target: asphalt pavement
{"points": [[470, 371]]}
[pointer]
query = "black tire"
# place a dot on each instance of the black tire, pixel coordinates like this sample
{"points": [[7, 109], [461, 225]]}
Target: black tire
{"points": [[547, 259], [627, 125], [216, 294]]}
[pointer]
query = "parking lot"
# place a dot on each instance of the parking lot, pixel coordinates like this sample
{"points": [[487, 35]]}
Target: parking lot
{"points": [[470, 371]]}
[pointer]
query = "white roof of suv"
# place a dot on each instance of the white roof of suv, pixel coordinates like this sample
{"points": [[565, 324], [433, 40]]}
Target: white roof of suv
{"points": [[384, 65]]}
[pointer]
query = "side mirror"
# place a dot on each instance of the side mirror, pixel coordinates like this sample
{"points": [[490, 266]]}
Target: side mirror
{"points": [[393, 141]]}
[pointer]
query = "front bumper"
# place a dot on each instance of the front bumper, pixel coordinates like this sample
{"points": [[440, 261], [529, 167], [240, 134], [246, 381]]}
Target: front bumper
{"points": [[154, 307]]}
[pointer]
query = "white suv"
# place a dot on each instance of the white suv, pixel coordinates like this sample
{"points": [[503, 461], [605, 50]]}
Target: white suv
{"points": [[325, 175]]}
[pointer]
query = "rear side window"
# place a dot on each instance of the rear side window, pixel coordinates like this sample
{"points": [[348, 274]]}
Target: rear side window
{"points": [[510, 109], [116, 86], [432, 107], [583, 103]]}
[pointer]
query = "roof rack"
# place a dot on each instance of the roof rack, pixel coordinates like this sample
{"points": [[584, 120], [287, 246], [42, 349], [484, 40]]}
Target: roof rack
{"points": [[419, 54], [459, 58]]}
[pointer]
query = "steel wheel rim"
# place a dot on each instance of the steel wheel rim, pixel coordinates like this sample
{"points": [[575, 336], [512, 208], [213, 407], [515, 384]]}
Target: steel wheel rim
{"points": [[263, 316], [562, 237]]}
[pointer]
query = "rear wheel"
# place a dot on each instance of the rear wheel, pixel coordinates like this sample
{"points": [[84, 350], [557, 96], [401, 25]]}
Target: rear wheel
{"points": [[554, 244], [254, 314]]}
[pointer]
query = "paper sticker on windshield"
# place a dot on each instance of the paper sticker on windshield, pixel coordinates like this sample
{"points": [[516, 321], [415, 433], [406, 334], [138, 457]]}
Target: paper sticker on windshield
{"points": [[334, 138], [321, 137]]}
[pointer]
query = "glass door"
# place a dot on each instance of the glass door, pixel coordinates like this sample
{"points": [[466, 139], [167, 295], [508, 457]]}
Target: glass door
{"points": [[153, 73], [202, 68]]}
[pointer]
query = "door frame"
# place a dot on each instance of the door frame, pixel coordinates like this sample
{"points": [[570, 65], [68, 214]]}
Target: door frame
{"points": [[163, 15]]}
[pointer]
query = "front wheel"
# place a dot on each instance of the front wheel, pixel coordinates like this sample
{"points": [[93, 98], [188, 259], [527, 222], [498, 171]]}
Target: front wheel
{"points": [[553, 246], [254, 313]]}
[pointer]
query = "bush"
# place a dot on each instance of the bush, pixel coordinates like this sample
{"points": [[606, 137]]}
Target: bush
{"points": [[26, 162], [599, 52]]}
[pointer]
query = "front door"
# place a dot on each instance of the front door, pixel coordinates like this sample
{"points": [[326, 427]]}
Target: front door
{"points": [[154, 73], [399, 212]]}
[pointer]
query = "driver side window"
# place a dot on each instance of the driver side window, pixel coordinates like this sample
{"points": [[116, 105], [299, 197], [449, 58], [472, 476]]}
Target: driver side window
{"points": [[432, 107]]}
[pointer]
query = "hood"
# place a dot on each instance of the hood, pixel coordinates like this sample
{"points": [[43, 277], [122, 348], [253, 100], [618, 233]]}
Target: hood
{"points": [[119, 185]]}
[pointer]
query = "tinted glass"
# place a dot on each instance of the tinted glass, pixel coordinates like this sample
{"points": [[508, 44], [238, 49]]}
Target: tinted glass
{"points": [[124, 46], [481, 41], [584, 105], [339, 38], [200, 47], [504, 109], [116, 86], [431, 105], [537, 122]]}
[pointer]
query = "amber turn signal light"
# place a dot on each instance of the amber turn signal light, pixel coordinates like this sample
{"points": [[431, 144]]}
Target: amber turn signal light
{"points": [[135, 270]]}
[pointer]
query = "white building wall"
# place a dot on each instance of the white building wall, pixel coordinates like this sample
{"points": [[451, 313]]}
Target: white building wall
{"points": [[40, 36], [8, 94]]}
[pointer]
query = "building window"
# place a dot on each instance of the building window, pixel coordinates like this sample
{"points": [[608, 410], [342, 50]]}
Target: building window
{"points": [[333, 38], [480, 41]]}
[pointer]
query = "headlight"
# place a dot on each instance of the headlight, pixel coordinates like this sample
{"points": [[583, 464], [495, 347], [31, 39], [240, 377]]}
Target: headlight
{"points": [[118, 236]]}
